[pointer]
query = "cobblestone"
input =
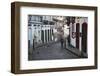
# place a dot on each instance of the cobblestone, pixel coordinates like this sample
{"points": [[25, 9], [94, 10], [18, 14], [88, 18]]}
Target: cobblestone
{"points": [[52, 51]]}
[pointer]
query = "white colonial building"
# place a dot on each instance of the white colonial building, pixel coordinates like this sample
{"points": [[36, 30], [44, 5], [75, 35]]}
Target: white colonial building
{"points": [[78, 33], [40, 29]]}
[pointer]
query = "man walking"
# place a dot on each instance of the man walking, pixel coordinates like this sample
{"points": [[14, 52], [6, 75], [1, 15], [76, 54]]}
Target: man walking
{"points": [[60, 33], [66, 34]]}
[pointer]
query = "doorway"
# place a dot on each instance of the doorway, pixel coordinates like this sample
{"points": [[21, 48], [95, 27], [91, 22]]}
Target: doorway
{"points": [[77, 35], [84, 37]]}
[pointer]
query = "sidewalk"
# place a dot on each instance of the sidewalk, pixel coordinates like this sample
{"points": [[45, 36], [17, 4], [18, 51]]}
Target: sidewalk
{"points": [[76, 51]]}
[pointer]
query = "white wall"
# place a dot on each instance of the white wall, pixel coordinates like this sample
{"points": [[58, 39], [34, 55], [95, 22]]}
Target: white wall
{"points": [[5, 35], [73, 40]]}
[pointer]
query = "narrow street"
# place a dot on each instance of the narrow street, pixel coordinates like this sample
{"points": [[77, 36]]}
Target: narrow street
{"points": [[52, 51]]}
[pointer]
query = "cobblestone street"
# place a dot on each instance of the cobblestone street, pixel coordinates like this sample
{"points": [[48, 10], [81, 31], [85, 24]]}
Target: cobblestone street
{"points": [[52, 51]]}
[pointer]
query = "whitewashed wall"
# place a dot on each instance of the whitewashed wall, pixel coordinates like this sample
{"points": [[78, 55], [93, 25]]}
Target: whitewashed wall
{"points": [[73, 40]]}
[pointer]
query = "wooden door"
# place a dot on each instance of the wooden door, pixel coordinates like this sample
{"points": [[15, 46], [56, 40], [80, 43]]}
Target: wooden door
{"points": [[77, 35], [42, 36], [84, 37]]}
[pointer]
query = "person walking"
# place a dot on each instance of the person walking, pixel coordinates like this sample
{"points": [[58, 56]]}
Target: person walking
{"points": [[66, 34], [62, 38], [60, 34]]}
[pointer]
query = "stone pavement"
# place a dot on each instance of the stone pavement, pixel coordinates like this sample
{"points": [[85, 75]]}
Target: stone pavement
{"points": [[52, 51], [77, 52]]}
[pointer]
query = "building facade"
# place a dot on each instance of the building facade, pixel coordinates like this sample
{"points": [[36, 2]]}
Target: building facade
{"points": [[40, 29], [78, 33]]}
